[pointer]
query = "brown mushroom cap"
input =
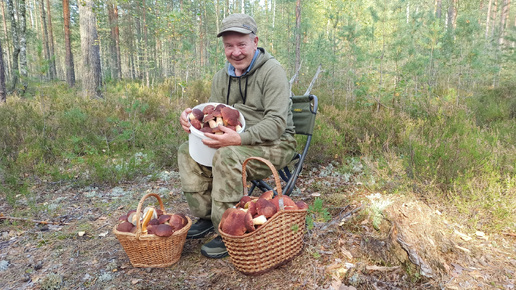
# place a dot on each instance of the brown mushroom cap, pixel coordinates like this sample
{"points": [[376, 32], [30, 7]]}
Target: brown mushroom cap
{"points": [[206, 129], [230, 116], [163, 230], [265, 207], [196, 124], [122, 218], [154, 222], [177, 222], [288, 203], [159, 212], [219, 107], [251, 207], [245, 199], [248, 222], [301, 205], [151, 229], [268, 195], [196, 115], [208, 109], [125, 227], [164, 218], [233, 222]]}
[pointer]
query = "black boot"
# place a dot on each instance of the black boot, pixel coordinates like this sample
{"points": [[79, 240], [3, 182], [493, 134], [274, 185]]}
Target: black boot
{"points": [[200, 229]]}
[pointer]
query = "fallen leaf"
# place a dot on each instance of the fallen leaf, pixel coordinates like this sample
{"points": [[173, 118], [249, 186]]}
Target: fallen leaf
{"points": [[316, 194], [103, 234], [81, 233], [135, 281]]}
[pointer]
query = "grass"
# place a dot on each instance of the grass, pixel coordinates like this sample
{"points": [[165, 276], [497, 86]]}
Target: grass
{"points": [[456, 155]]}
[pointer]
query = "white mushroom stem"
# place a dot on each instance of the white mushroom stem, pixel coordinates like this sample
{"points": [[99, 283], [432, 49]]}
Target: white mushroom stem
{"points": [[259, 220], [213, 124], [191, 116], [220, 121]]}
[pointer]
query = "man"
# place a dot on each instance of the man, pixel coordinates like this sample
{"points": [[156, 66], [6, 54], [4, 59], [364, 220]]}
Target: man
{"points": [[253, 82]]}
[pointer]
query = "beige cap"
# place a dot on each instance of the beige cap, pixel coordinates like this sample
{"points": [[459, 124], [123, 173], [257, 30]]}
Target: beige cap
{"points": [[241, 23]]}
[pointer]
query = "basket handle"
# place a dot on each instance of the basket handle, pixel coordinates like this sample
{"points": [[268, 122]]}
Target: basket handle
{"points": [[272, 168], [139, 209]]}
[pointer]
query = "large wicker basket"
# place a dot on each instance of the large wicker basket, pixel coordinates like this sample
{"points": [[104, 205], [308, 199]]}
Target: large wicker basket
{"points": [[273, 244], [151, 251]]}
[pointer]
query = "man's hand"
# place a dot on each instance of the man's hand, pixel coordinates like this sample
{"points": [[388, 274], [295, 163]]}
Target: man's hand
{"points": [[229, 138], [183, 119]]}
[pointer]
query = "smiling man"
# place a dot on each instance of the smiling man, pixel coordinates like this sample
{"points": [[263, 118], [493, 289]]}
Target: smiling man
{"points": [[253, 82]]}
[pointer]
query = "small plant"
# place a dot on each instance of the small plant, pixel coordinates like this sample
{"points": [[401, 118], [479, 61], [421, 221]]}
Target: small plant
{"points": [[317, 213]]}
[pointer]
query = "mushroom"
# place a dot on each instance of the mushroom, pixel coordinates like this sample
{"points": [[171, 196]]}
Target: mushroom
{"points": [[248, 222], [196, 124], [132, 218], [122, 218], [163, 230], [268, 195], [208, 109], [243, 201], [301, 205], [125, 227], [151, 229], [206, 129], [211, 120], [265, 207], [154, 222], [219, 107], [230, 116], [233, 222], [177, 222], [218, 118], [196, 114], [259, 220], [164, 218], [284, 203]]}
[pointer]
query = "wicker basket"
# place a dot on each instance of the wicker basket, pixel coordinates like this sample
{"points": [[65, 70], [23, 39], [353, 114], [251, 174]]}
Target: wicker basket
{"points": [[273, 244], [151, 251]]}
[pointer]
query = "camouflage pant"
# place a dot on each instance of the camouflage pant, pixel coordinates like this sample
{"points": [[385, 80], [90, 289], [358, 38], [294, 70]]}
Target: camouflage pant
{"points": [[209, 191]]}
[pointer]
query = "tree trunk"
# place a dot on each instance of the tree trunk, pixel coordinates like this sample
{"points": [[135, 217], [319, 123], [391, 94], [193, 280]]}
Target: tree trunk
{"points": [[298, 36], [23, 46], [44, 34], [53, 71], [114, 46], [70, 69], [488, 17], [16, 44], [3, 92], [438, 9], [8, 49], [91, 71], [503, 20]]}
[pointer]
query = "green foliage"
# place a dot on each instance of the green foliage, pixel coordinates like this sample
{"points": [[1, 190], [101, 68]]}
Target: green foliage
{"points": [[317, 214]]}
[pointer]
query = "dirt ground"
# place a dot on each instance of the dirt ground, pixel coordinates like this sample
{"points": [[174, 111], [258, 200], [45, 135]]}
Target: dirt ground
{"points": [[371, 242]]}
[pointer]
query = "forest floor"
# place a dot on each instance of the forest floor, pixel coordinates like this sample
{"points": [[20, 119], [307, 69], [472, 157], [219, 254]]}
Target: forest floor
{"points": [[414, 246]]}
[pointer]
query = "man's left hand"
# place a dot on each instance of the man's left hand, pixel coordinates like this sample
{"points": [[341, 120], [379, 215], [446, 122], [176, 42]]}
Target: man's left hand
{"points": [[229, 138]]}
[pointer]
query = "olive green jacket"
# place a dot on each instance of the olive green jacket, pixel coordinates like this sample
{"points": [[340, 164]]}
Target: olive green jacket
{"points": [[262, 95]]}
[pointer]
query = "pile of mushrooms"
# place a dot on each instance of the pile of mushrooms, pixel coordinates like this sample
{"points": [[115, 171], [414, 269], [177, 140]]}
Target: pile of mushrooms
{"points": [[249, 214], [209, 119], [153, 222]]}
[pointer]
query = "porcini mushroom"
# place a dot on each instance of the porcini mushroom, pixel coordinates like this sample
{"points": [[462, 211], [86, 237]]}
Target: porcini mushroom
{"points": [[208, 109], [230, 116], [177, 222], [196, 124], [163, 230], [164, 218], [125, 227], [268, 195], [301, 205], [265, 207], [233, 222], [196, 114], [284, 203]]}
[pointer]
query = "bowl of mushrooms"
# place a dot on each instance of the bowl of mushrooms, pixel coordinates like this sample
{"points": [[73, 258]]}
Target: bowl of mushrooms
{"points": [[206, 118]]}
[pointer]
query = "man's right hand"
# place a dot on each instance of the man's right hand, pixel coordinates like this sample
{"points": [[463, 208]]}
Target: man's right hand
{"points": [[184, 120]]}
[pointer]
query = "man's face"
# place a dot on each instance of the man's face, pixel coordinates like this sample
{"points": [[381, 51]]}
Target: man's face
{"points": [[239, 49]]}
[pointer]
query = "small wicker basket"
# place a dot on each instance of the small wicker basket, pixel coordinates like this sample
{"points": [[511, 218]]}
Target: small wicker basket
{"points": [[151, 251], [273, 244]]}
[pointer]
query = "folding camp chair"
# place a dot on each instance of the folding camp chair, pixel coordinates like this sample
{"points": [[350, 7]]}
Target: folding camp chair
{"points": [[304, 110]]}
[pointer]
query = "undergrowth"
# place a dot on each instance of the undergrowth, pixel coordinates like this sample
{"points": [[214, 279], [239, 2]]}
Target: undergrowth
{"points": [[458, 154]]}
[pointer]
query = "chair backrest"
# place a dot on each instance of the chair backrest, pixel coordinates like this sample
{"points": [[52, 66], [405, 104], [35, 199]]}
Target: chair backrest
{"points": [[304, 110]]}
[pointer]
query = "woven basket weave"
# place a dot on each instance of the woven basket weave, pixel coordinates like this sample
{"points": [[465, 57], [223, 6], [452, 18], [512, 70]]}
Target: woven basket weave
{"points": [[273, 244], [151, 251]]}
